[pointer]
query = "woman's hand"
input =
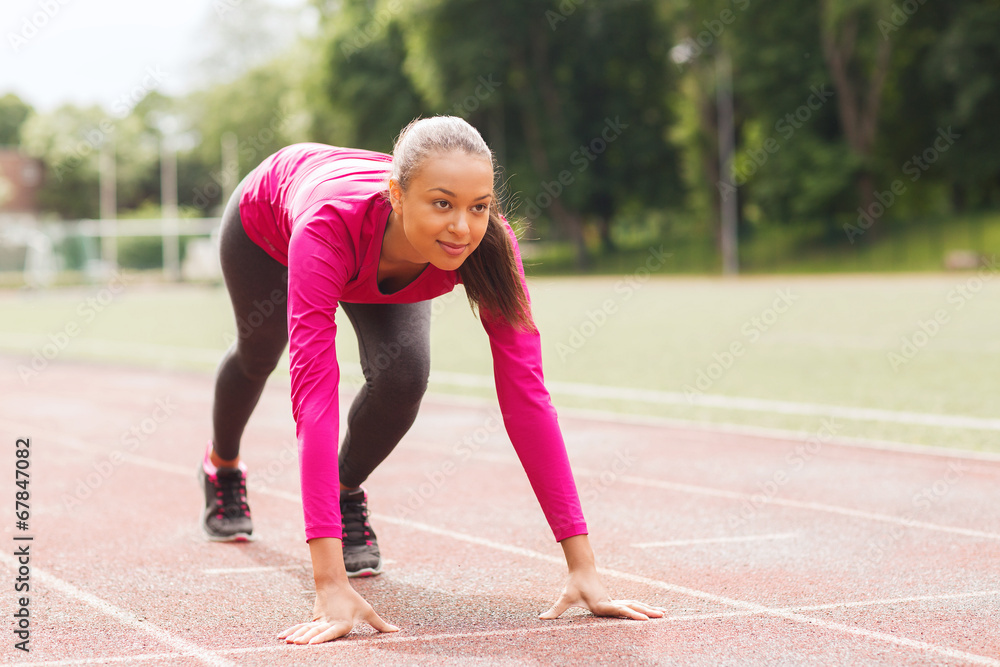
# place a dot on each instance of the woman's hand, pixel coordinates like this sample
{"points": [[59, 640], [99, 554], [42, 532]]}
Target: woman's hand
{"points": [[337, 610], [338, 606], [584, 588]]}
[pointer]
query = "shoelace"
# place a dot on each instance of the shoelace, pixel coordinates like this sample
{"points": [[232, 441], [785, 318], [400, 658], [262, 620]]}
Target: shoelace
{"points": [[354, 514], [231, 496]]}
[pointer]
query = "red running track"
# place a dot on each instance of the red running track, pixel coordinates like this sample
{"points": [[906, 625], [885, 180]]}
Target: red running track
{"points": [[765, 549]]}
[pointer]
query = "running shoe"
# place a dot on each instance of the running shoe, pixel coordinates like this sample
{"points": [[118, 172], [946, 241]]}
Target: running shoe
{"points": [[227, 514], [361, 554]]}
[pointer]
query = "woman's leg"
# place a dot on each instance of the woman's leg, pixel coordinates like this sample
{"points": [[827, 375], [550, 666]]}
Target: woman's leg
{"points": [[258, 288], [394, 342]]}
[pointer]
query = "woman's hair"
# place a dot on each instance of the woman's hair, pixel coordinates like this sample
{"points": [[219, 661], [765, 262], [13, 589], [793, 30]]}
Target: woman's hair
{"points": [[490, 275]]}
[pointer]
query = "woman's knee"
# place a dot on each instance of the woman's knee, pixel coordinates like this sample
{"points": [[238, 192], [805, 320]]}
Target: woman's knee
{"points": [[256, 364], [404, 377]]}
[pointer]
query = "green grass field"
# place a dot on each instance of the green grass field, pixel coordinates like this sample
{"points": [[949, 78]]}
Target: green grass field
{"points": [[826, 340]]}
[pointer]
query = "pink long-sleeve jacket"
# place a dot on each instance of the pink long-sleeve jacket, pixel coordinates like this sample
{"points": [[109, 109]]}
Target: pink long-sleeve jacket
{"points": [[321, 211]]}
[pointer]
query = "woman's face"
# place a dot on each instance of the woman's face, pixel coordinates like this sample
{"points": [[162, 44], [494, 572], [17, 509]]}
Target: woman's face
{"points": [[445, 208]]}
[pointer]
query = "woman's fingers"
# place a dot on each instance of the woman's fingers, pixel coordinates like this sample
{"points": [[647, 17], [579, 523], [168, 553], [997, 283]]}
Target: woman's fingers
{"points": [[317, 632], [649, 610], [557, 609], [330, 632], [292, 630], [379, 624], [639, 611]]}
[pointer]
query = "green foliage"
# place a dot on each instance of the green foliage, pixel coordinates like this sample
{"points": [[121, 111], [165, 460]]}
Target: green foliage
{"points": [[605, 142], [13, 113]]}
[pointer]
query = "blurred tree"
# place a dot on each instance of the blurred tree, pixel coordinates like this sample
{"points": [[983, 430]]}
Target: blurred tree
{"points": [[571, 96], [69, 141], [857, 50], [960, 76], [367, 97], [792, 162], [261, 111], [13, 113]]}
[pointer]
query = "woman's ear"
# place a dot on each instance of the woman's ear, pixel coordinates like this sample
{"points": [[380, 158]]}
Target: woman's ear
{"points": [[395, 196]]}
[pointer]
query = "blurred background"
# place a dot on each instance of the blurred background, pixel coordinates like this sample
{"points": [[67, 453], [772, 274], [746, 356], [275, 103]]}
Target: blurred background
{"points": [[782, 141], [801, 135]]}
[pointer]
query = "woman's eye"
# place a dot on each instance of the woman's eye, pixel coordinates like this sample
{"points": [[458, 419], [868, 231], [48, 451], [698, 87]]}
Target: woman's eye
{"points": [[480, 208], [440, 203]]}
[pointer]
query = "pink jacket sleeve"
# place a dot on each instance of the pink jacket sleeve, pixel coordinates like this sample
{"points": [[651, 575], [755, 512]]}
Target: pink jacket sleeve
{"points": [[531, 420], [317, 273]]}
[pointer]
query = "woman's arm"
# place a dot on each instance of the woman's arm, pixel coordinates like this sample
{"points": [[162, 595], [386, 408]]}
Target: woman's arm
{"points": [[317, 272], [534, 430]]}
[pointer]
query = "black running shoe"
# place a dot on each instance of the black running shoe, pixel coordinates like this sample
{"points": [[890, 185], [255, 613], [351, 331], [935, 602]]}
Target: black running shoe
{"points": [[361, 555], [227, 515]]}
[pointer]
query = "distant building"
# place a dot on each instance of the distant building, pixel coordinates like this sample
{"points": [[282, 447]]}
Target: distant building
{"points": [[20, 180]]}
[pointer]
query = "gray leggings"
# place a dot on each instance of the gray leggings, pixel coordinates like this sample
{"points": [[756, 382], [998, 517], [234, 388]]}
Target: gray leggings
{"points": [[393, 340]]}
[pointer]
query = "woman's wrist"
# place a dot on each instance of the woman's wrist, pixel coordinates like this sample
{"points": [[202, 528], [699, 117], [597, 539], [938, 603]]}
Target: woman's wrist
{"points": [[327, 555], [579, 555]]}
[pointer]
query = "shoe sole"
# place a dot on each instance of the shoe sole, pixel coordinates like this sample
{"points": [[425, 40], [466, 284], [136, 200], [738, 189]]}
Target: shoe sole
{"points": [[367, 571], [238, 537]]}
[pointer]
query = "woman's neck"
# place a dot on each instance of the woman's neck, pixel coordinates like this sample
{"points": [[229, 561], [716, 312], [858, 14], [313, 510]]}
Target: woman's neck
{"points": [[396, 248]]}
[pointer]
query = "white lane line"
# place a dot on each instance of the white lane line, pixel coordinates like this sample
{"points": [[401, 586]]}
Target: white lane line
{"points": [[370, 640], [122, 616], [558, 626], [735, 403], [25, 343], [256, 570], [102, 660], [658, 397], [76, 443], [746, 608], [798, 504], [716, 540], [711, 597], [272, 568], [884, 601]]}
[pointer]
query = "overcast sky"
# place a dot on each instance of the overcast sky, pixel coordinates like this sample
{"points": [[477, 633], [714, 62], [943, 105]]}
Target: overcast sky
{"points": [[97, 51]]}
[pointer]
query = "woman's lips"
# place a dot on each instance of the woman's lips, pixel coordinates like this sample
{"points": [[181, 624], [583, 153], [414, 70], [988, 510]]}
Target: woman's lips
{"points": [[453, 249]]}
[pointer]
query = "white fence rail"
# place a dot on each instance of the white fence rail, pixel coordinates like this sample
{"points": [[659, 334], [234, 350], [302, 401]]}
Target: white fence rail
{"points": [[41, 251]]}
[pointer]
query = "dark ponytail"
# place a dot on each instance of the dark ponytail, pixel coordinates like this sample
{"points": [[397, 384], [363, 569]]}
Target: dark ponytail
{"points": [[491, 277]]}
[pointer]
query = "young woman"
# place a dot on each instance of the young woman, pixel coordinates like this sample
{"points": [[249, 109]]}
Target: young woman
{"points": [[315, 227]]}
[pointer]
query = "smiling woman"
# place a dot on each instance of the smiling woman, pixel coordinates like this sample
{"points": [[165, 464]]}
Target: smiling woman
{"points": [[378, 237]]}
